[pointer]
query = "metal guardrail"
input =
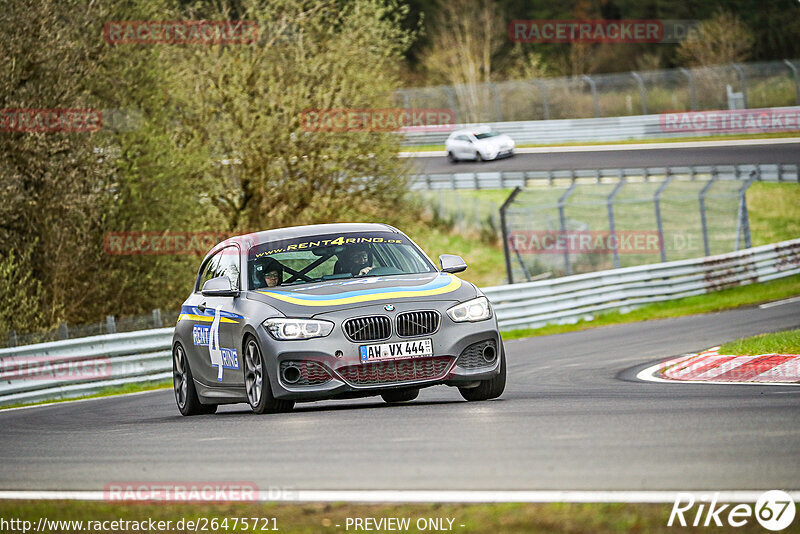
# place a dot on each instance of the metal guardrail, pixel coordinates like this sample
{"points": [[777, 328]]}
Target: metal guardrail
{"points": [[74, 367], [145, 356], [571, 298], [573, 130], [511, 179]]}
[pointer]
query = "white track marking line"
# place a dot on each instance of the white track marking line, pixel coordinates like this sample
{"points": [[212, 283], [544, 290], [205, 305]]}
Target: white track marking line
{"points": [[623, 147], [779, 303], [437, 496], [73, 401]]}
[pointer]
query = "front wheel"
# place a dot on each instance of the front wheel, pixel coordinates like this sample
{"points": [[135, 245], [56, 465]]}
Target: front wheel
{"points": [[183, 384], [488, 389], [478, 157], [256, 382], [451, 158]]}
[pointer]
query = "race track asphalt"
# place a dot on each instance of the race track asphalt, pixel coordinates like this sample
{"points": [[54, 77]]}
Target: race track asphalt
{"points": [[621, 158], [573, 417]]}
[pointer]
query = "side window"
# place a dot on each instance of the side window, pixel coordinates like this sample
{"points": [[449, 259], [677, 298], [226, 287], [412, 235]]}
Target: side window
{"points": [[223, 263]]}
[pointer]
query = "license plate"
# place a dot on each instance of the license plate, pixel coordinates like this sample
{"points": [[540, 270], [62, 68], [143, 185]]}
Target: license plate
{"points": [[401, 349]]}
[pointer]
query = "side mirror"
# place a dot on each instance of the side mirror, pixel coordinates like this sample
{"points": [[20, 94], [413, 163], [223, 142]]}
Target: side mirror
{"points": [[451, 263], [219, 287]]}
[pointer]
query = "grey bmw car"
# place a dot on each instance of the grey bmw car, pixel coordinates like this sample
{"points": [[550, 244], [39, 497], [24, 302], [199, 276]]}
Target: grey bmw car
{"points": [[331, 311]]}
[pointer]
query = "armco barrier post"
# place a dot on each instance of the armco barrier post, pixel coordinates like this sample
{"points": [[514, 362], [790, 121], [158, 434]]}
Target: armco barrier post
{"points": [[157, 318], [504, 231], [111, 325]]}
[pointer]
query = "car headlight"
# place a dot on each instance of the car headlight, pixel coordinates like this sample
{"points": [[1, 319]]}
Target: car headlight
{"points": [[473, 310], [285, 329]]}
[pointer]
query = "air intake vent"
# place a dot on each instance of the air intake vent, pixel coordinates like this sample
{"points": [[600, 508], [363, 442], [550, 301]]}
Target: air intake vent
{"points": [[373, 328], [418, 323]]}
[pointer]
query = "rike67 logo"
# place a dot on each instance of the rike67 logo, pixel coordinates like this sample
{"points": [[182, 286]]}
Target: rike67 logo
{"points": [[774, 510]]}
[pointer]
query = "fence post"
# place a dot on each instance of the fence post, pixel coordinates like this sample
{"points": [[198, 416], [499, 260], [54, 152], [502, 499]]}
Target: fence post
{"points": [[12, 338], [63, 331], [562, 221], [477, 209], [451, 97], [692, 96], [742, 82], [743, 221], [504, 231], [545, 100], [111, 325], [611, 226], [794, 77], [593, 87], [498, 108], [406, 100], [659, 220], [157, 318], [642, 91], [702, 199]]}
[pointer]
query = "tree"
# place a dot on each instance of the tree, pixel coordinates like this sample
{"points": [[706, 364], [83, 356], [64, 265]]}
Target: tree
{"points": [[720, 40]]}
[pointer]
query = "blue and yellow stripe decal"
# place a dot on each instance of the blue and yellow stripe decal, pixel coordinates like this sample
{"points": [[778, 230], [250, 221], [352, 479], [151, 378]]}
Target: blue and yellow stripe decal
{"points": [[439, 286], [192, 313]]}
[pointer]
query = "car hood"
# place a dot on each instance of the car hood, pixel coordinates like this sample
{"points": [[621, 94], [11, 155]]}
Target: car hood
{"points": [[311, 299], [495, 142]]}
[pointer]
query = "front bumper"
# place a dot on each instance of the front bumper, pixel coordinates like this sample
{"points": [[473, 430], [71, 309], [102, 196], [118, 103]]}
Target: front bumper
{"points": [[330, 367]]}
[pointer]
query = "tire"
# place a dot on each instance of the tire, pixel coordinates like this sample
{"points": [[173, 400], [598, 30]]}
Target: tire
{"points": [[403, 395], [183, 385], [488, 389], [478, 157], [451, 158], [256, 382]]}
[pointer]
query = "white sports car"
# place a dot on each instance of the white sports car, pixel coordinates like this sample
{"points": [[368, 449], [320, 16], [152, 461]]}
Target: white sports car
{"points": [[478, 144]]}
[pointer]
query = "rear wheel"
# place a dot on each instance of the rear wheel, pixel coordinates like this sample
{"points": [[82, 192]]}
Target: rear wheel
{"points": [[400, 396], [488, 389], [256, 382], [183, 384]]}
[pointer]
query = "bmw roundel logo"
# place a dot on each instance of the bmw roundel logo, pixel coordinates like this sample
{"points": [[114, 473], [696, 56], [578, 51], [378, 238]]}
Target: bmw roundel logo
{"points": [[388, 307]]}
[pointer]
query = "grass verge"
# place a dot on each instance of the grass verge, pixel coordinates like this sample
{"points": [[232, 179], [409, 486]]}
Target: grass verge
{"points": [[725, 299], [787, 342], [772, 135], [311, 517], [105, 392]]}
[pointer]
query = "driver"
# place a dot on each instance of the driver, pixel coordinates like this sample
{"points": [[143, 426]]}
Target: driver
{"points": [[269, 273], [358, 261]]}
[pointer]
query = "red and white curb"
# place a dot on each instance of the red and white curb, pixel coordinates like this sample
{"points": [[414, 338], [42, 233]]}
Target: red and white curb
{"points": [[711, 367]]}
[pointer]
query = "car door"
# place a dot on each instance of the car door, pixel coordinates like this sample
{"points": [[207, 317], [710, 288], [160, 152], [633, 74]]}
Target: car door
{"points": [[465, 147], [216, 360]]}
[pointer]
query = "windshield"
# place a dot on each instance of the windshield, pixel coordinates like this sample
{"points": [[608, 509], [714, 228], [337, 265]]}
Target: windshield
{"points": [[333, 257], [485, 135]]}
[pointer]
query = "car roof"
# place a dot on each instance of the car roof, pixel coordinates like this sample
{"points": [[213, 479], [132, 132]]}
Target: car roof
{"points": [[310, 230], [473, 131]]}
